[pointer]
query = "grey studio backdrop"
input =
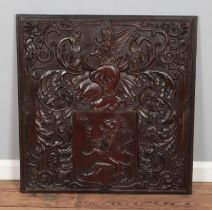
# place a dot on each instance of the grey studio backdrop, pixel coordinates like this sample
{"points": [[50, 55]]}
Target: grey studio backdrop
{"points": [[9, 148]]}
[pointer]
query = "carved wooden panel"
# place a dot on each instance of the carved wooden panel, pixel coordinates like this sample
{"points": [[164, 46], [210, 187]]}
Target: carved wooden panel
{"points": [[106, 103]]}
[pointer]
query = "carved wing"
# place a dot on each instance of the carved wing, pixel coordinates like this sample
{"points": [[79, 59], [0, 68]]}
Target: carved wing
{"points": [[127, 86], [119, 42]]}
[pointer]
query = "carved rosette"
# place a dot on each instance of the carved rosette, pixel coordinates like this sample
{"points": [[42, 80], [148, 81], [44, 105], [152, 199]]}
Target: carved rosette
{"points": [[109, 67]]}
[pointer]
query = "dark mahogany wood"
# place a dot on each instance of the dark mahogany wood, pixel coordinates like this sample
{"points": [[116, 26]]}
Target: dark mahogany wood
{"points": [[106, 103]]}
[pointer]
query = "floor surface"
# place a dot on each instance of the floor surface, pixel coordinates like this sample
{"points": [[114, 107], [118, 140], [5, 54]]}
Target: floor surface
{"points": [[11, 199]]}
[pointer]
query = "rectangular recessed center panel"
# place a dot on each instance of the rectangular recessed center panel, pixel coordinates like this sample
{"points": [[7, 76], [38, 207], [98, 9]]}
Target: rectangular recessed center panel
{"points": [[106, 103], [105, 148]]}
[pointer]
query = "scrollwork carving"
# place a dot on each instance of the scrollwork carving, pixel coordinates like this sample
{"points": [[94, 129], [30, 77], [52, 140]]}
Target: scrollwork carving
{"points": [[67, 50], [36, 44], [145, 50]]}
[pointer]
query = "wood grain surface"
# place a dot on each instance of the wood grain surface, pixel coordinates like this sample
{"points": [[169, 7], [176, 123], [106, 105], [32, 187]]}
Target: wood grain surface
{"points": [[11, 199]]}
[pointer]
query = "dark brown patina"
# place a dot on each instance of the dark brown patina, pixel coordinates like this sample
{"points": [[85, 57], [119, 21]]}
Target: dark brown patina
{"points": [[106, 103]]}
